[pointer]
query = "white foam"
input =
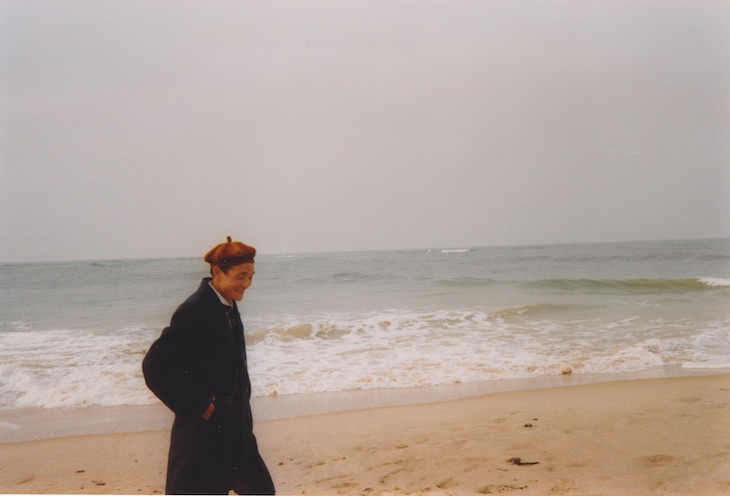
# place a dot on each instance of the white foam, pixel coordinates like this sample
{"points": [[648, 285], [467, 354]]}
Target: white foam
{"points": [[9, 426], [402, 350], [706, 365], [715, 282], [62, 368], [363, 350]]}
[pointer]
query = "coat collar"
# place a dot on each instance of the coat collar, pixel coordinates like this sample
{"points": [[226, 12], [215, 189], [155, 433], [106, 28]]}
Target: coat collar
{"points": [[206, 287]]}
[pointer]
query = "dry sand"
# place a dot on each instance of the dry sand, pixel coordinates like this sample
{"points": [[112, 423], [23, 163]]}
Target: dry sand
{"points": [[641, 437]]}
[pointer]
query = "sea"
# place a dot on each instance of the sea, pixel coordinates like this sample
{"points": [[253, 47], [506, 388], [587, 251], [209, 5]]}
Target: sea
{"points": [[73, 334]]}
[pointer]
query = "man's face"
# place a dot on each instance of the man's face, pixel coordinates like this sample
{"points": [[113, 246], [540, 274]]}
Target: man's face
{"points": [[232, 285]]}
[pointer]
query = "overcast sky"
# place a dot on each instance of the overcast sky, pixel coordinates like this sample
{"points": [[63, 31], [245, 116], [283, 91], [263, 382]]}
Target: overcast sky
{"points": [[135, 129]]}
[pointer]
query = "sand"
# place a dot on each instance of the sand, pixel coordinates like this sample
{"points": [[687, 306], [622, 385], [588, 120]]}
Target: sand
{"points": [[640, 437]]}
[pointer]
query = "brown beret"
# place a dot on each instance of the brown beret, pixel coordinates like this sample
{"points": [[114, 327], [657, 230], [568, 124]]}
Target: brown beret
{"points": [[230, 253]]}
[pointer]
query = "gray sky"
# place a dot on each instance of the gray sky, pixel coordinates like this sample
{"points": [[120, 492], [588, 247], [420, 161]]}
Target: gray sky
{"points": [[155, 128]]}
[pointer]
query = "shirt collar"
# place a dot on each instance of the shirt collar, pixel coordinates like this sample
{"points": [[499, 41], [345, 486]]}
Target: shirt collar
{"points": [[220, 297]]}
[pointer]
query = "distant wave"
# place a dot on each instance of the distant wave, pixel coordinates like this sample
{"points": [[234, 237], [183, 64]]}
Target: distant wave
{"points": [[715, 282], [456, 250], [631, 286], [107, 263], [599, 286], [467, 282]]}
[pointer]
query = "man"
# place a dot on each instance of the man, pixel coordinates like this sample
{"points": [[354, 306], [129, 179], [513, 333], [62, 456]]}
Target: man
{"points": [[198, 369]]}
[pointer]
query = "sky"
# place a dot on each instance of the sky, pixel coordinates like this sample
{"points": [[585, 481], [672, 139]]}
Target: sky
{"points": [[150, 128]]}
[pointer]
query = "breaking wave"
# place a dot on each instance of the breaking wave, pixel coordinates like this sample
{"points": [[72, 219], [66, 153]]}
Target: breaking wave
{"points": [[631, 286]]}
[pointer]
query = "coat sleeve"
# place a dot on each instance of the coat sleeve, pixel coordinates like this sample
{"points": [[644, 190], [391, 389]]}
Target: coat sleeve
{"points": [[172, 371]]}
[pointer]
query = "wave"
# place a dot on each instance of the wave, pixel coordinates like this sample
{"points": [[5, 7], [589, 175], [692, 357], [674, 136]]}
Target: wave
{"points": [[109, 263], [715, 282], [598, 286], [383, 349], [631, 286], [467, 282], [64, 368], [539, 309], [428, 350]]}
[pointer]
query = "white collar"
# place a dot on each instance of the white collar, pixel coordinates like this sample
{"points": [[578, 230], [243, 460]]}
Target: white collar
{"points": [[220, 297]]}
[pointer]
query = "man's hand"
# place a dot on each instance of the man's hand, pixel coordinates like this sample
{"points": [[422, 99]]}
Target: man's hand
{"points": [[209, 411]]}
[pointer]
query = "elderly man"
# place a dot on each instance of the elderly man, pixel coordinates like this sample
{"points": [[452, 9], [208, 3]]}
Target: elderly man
{"points": [[198, 369]]}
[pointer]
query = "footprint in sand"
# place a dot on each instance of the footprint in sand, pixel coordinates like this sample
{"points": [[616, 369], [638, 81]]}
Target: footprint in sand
{"points": [[447, 484], [499, 488], [661, 460], [563, 487]]}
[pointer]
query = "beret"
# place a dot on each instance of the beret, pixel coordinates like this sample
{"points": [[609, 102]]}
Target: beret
{"points": [[230, 253]]}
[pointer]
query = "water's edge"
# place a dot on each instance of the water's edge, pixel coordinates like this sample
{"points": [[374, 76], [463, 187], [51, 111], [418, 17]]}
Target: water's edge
{"points": [[28, 424]]}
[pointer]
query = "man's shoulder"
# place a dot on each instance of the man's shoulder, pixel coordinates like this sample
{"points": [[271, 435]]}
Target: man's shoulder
{"points": [[201, 301], [204, 295]]}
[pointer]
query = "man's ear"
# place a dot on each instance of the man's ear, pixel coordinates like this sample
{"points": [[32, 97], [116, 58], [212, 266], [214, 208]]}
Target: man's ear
{"points": [[215, 271]]}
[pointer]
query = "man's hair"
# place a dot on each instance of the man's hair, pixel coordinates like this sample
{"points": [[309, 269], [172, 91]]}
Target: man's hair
{"points": [[223, 268]]}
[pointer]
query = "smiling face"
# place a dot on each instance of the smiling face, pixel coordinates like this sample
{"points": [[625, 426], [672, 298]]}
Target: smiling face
{"points": [[233, 284]]}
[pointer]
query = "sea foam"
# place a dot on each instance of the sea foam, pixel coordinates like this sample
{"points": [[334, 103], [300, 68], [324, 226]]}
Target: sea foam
{"points": [[375, 320]]}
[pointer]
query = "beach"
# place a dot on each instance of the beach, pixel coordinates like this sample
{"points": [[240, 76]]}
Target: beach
{"points": [[602, 367], [656, 436]]}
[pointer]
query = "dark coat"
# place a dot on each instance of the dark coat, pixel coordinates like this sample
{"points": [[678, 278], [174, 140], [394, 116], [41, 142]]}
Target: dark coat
{"points": [[201, 355]]}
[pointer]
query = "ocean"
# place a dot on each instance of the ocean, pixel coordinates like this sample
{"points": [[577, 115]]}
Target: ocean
{"points": [[73, 334]]}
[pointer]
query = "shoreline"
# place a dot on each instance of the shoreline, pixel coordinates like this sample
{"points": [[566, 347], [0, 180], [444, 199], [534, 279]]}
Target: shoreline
{"points": [[32, 423], [629, 437]]}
